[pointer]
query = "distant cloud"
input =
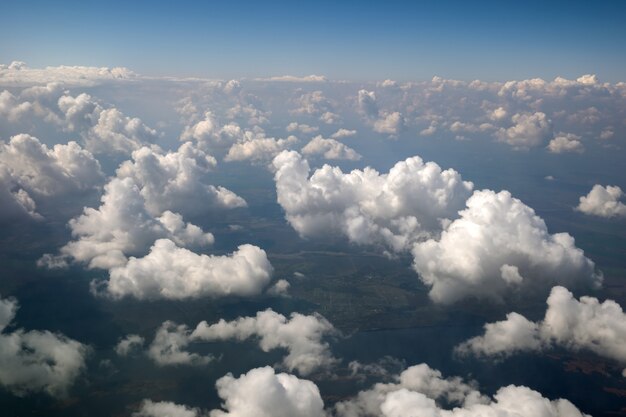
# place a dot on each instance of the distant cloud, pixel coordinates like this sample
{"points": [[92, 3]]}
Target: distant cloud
{"points": [[18, 74], [330, 149], [296, 79], [566, 142], [603, 202], [571, 324]]}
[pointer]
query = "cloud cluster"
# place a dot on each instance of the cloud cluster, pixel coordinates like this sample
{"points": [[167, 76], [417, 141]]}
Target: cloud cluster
{"points": [[37, 361], [603, 202], [499, 245], [419, 391], [394, 209], [576, 325], [30, 171], [18, 73]]}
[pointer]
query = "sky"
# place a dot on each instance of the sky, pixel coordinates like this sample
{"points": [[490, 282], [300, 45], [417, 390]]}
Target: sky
{"points": [[355, 40]]}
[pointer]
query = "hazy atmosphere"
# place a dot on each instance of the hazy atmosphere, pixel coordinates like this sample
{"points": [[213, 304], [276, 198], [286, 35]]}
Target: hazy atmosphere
{"points": [[322, 209]]}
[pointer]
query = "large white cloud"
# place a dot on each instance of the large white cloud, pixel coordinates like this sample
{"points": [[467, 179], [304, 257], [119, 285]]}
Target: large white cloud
{"points": [[171, 272], [603, 202], [394, 209], [38, 169], [301, 335], [499, 245], [263, 393], [177, 180], [419, 391], [37, 361], [576, 325]]}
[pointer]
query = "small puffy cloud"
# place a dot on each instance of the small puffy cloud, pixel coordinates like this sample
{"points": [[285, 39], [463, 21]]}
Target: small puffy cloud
{"points": [[603, 202], [259, 148], [303, 128], [343, 133], [420, 389], [300, 335], [171, 272], [366, 103], [499, 245], [390, 123], [280, 288], [169, 347], [585, 324], [37, 361], [314, 103], [263, 393], [165, 409], [330, 149], [527, 131], [129, 344], [394, 210], [566, 142]]}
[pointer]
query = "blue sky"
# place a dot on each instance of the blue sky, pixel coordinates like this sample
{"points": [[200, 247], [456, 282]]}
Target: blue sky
{"points": [[404, 40]]}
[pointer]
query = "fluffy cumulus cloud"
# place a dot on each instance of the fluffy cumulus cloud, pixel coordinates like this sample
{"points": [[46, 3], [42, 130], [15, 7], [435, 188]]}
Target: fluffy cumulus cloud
{"points": [[382, 121], [343, 133], [302, 336], [528, 130], [316, 103], [499, 245], [172, 272], [37, 361], [263, 393], [585, 324], [259, 148], [395, 209], [30, 172], [330, 149], [420, 390], [300, 127], [603, 202], [165, 409], [566, 142], [177, 181], [37, 169]]}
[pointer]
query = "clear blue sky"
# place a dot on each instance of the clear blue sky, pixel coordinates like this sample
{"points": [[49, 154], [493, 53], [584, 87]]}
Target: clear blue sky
{"points": [[403, 40]]}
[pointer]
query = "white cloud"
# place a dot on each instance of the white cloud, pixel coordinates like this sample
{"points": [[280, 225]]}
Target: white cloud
{"points": [[169, 347], [395, 209], [499, 245], [292, 78], [527, 131], [171, 272], [576, 325], [40, 170], [330, 149], [300, 335], [420, 389], [566, 142], [263, 393], [177, 181], [294, 126], [18, 74], [37, 361], [259, 148], [165, 409], [603, 202], [343, 133]]}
